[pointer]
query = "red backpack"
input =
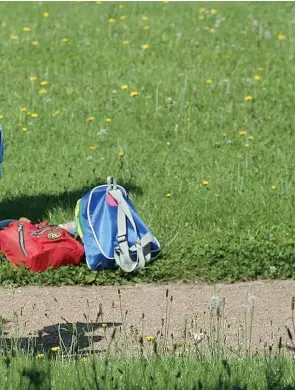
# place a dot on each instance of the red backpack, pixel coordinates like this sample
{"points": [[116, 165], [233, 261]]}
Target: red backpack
{"points": [[39, 246]]}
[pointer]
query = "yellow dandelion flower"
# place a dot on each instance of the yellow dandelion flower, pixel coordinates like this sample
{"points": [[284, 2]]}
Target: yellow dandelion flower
{"points": [[83, 359], [43, 91], [209, 81], [184, 344], [247, 145], [124, 86], [150, 338], [40, 356], [34, 115], [257, 77], [90, 119], [205, 182], [248, 98], [202, 17], [55, 349], [250, 138], [168, 196], [123, 17], [144, 18], [24, 129], [35, 43], [92, 148], [26, 29], [273, 188], [282, 37], [213, 11], [14, 37], [108, 120], [65, 40], [146, 28], [111, 20], [242, 132], [260, 69], [133, 93], [145, 46], [45, 14], [23, 109], [125, 42], [202, 10], [104, 326], [57, 112], [44, 83], [120, 154], [212, 30], [1, 116], [32, 78]]}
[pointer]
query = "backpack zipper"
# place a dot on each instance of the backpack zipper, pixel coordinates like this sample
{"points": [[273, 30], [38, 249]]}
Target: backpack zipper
{"points": [[20, 230], [38, 233]]}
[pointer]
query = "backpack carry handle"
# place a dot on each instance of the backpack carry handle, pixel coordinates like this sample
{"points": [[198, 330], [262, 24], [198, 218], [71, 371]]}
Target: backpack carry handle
{"points": [[111, 182]]}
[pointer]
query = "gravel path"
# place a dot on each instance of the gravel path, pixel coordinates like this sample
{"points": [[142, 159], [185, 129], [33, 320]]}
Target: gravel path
{"points": [[29, 309]]}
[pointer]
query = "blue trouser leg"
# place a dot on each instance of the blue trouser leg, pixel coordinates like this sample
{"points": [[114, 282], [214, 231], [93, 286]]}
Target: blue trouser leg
{"points": [[5, 223]]}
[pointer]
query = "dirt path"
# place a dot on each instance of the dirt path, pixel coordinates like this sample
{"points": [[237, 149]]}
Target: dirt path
{"points": [[44, 308]]}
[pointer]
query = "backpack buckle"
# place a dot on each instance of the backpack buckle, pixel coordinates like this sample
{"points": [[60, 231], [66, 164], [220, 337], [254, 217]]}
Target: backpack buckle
{"points": [[121, 238], [117, 251]]}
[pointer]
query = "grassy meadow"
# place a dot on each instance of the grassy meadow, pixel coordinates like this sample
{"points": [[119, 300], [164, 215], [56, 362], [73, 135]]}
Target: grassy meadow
{"points": [[157, 373], [189, 105]]}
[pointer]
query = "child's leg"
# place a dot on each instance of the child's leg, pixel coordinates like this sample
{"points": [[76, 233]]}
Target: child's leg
{"points": [[5, 223], [70, 227]]}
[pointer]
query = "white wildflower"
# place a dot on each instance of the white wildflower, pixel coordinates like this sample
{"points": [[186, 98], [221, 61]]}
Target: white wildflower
{"points": [[102, 132], [267, 35], [198, 337]]}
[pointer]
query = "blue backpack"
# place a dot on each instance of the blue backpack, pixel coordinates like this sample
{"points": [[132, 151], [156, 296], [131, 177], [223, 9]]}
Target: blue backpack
{"points": [[111, 230], [1, 150]]}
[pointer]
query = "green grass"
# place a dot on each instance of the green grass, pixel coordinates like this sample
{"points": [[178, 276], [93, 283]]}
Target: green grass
{"points": [[156, 373], [176, 133]]}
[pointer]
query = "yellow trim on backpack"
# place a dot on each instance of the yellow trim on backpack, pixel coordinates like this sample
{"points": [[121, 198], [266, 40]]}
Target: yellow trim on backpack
{"points": [[77, 218]]}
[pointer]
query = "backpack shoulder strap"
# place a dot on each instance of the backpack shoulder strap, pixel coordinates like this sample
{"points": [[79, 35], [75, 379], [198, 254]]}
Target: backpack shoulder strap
{"points": [[141, 247]]}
